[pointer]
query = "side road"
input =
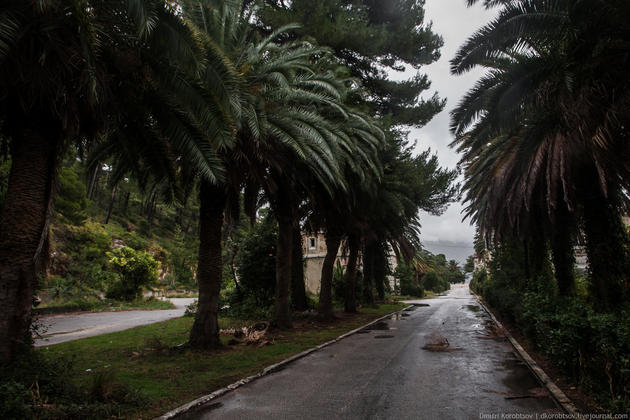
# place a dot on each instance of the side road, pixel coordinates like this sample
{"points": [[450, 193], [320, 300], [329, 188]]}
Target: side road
{"points": [[386, 371], [67, 327]]}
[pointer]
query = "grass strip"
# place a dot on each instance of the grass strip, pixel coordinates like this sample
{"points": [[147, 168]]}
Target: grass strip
{"points": [[105, 305], [143, 360]]}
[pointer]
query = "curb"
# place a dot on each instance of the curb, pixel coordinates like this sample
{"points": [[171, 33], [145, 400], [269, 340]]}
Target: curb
{"points": [[266, 371], [557, 394]]}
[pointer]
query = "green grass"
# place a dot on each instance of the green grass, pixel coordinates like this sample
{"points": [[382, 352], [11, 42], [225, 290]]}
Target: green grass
{"points": [[143, 359], [96, 305]]}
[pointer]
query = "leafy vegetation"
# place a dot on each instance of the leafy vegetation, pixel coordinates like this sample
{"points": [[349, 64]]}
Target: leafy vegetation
{"points": [[590, 348]]}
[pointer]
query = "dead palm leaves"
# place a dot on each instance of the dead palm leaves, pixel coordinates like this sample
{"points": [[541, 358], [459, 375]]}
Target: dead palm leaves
{"points": [[438, 343], [253, 335]]}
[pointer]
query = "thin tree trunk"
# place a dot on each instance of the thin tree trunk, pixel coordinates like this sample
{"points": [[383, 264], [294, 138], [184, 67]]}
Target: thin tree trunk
{"points": [[325, 307], [126, 205], [111, 204], [298, 290], [562, 254], [205, 330], [350, 304], [23, 235], [93, 179]]}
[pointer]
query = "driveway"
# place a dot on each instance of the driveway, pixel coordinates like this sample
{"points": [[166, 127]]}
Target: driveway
{"points": [[66, 327], [383, 372]]}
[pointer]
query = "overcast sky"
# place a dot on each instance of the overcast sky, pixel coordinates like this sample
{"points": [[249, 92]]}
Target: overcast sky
{"points": [[455, 23]]}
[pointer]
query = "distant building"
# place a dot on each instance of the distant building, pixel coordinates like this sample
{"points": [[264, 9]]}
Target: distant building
{"points": [[314, 250]]}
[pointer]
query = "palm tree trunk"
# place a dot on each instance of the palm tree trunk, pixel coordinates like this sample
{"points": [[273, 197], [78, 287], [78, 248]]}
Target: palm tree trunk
{"points": [[284, 257], [380, 269], [205, 330], [350, 304], [23, 234], [325, 307], [606, 247], [368, 272], [298, 290]]}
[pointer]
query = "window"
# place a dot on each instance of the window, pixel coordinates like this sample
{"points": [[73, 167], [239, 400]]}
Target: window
{"points": [[312, 244]]}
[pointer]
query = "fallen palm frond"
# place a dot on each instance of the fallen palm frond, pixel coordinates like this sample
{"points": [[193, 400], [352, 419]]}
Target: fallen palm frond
{"points": [[493, 332], [438, 343], [252, 335]]}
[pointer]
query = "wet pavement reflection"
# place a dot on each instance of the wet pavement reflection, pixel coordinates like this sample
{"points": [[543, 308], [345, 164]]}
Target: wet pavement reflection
{"points": [[440, 358]]}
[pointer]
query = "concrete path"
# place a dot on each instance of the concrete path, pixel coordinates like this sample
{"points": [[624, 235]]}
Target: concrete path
{"points": [[383, 373], [67, 327]]}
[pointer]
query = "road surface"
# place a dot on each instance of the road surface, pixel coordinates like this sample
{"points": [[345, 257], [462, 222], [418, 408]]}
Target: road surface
{"points": [[66, 327], [384, 373]]}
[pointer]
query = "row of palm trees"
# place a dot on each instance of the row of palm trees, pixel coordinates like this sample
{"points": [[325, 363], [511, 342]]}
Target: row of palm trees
{"points": [[544, 133], [185, 94]]}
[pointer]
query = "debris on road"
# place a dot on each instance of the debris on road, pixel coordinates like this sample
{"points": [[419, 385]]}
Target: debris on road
{"points": [[438, 343], [493, 332]]}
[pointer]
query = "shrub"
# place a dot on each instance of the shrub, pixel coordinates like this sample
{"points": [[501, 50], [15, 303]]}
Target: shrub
{"points": [[136, 269], [435, 283], [256, 262], [404, 275]]}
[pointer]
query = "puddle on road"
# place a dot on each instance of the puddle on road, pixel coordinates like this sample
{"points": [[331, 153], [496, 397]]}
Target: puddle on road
{"points": [[398, 317], [383, 336], [473, 308]]}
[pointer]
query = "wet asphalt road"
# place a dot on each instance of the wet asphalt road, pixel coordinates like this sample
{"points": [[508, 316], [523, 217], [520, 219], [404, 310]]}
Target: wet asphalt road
{"points": [[67, 327], [383, 373]]}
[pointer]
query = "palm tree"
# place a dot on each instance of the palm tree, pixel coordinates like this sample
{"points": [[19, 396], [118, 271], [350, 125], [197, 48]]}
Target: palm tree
{"points": [[59, 65], [543, 132], [289, 113]]}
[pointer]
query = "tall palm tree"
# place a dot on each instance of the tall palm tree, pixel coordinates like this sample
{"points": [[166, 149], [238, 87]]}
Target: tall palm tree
{"points": [[289, 113], [59, 65], [543, 133]]}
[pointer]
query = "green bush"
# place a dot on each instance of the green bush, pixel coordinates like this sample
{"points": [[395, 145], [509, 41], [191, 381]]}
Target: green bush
{"points": [[256, 262], [136, 269], [435, 283], [479, 279], [591, 349], [404, 275]]}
